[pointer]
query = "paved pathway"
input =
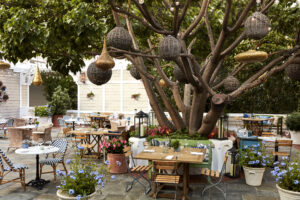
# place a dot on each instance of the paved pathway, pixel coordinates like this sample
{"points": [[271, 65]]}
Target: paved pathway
{"points": [[115, 190]]}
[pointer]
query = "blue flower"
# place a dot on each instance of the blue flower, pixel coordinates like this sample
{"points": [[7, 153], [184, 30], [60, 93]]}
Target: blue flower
{"points": [[291, 168], [80, 147], [257, 161], [296, 182], [263, 164], [282, 164], [107, 162], [57, 171], [99, 181], [284, 158], [81, 171], [73, 177], [276, 169], [118, 163], [70, 172], [63, 183], [263, 142], [78, 197], [251, 162], [276, 163], [102, 185], [113, 177], [276, 180], [273, 172], [68, 161], [71, 191], [245, 146]]}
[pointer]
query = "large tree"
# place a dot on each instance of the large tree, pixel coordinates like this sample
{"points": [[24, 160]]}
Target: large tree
{"points": [[210, 33]]}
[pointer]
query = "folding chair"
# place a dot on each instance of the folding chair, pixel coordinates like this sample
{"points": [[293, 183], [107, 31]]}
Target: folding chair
{"points": [[161, 178], [218, 176], [7, 166], [82, 140], [282, 143], [137, 172]]}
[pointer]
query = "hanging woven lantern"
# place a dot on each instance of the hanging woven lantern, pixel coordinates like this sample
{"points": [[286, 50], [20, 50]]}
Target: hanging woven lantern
{"points": [[169, 48], [293, 69], [4, 65], [105, 61], [257, 26], [119, 38], [98, 76], [37, 80], [162, 83], [251, 56], [5, 97], [231, 83], [135, 73], [179, 75]]}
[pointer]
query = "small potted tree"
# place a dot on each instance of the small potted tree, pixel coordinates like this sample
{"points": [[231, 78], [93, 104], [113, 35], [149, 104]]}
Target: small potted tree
{"points": [[59, 104], [254, 161], [293, 124]]}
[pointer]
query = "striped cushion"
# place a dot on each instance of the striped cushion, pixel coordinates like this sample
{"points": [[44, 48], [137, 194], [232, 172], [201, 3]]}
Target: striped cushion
{"points": [[15, 166], [51, 161]]}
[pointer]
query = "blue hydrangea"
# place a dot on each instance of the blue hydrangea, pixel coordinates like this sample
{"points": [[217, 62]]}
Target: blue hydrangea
{"points": [[71, 191]]}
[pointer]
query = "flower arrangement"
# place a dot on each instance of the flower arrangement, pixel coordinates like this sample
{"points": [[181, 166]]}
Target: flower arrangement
{"points": [[157, 131], [114, 146], [83, 177], [287, 174], [175, 144], [90, 95], [255, 156], [135, 96]]}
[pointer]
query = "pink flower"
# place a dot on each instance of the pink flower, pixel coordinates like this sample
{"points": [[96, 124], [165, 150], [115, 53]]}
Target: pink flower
{"points": [[125, 141], [119, 145], [114, 139], [114, 145]]}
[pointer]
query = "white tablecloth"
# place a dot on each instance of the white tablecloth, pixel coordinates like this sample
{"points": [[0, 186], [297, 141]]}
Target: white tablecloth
{"points": [[137, 146], [218, 153]]}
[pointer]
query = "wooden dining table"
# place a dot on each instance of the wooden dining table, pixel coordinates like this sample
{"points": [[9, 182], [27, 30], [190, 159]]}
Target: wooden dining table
{"points": [[255, 124], [98, 120], [186, 156]]}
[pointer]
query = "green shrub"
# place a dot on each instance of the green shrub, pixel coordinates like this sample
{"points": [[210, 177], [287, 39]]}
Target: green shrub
{"points": [[41, 111], [175, 144], [293, 121], [60, 101]]}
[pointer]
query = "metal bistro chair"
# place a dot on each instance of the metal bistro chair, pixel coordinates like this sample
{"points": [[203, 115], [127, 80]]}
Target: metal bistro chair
{"points": [[140, 170], [7, 166], [57, 158], [218, 176]]}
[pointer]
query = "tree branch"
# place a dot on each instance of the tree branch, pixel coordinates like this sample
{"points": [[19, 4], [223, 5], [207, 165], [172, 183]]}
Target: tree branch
{"points": [[186, 5], [209, 31], [215, 73], [234, 44], [267, 6]]}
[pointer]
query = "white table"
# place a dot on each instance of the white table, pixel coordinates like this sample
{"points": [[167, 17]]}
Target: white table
{"points": [[37, 150], [26, 127]]}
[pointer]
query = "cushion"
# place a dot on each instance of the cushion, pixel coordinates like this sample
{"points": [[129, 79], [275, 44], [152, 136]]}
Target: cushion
{"points": [[50, 161]]}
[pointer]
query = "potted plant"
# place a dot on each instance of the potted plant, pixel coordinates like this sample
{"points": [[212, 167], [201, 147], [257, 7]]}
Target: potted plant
{"points": [[287, 176], [59, 104], [175, 144], [135, 96], [90, 95], [254, 161], [84, 179], [36, 123], [115, 155], [43, 112], [293, 124], [25, 144]]}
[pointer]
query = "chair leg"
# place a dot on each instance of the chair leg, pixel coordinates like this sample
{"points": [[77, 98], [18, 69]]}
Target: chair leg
{"points": [[65, 168], [54, 172], [41, 170]]}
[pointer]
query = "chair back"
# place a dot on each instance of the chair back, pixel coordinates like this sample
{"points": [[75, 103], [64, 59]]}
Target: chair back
{"points": [[62, 145], [10, 122], [6, 160], [287, 143], [164, 165], [47, 134], [66, 117], [61, 122], [19, 122]]}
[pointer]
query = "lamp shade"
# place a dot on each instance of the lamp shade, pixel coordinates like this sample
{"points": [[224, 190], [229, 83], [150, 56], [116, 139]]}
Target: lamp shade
{"points": [[169, 48], [105, 61], [119, 38], [257, 26], [251, 56], [97, 75], [37, 80], [293, 69]]}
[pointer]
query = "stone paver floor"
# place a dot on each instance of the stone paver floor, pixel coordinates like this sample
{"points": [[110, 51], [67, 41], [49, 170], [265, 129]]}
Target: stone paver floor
{"points": [[115, 190]]}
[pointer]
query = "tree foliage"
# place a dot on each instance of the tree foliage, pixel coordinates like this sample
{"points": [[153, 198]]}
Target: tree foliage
{"points": [[60, 101]]}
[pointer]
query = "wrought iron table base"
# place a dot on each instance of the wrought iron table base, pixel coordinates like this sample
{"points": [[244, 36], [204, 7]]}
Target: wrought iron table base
{"points": [[37, 183]]}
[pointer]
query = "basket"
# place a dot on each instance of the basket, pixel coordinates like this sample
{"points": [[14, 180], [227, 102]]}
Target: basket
{"points": [[293, 69], [257, 26], [231, 83], [135, 73], [119, 38], [169, 48], [97, 75]]}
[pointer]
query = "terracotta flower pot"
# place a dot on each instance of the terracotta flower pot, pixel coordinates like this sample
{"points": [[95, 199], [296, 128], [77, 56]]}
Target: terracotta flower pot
{"points": [[55, 121], [117, 163]]}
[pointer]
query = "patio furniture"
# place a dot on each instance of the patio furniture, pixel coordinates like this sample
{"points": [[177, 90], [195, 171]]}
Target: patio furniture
{"points": [[43, 133], [37, 150], [254, 124], [283, 143], [7, 166], [82, 139], [57, 158], [186, 156], [161, 179], [16, 135], [217, 175], [137, 172], [19, 122]]}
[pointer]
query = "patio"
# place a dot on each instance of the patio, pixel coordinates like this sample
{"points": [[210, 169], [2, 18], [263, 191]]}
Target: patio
{"points": [[115, 189]]}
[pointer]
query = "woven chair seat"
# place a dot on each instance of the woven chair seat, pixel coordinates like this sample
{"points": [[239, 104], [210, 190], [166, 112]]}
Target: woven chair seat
{"points": [[15, 167], [51, 161], [141, 168]]}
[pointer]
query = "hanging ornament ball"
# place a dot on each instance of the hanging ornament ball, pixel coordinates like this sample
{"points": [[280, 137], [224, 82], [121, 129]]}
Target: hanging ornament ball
{"points": [[162, 83], [4, 65], [119, 38], [97, 75], [169, 48], [105, 61], [293, 69], [231, 83], [251, 56], [179, 75], [135, 73], [257, 26]]}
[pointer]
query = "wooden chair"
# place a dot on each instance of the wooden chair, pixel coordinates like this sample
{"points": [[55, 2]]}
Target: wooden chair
{"points": [[161, 178], [283, 143], [137, 172], [267, 134], [218, 176], [57, 158], [7, 166], [81, 140]]}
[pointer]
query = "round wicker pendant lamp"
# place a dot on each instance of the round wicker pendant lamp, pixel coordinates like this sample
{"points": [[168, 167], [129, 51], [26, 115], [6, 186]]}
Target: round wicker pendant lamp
{"points": [[119, 38], [231, 83], [169, 48], [135, 73], [97, 75], [179, 75], [4, 65], [251, 56], [257, 26], [105, 61], [37, 80], [293, 69]]}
